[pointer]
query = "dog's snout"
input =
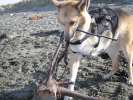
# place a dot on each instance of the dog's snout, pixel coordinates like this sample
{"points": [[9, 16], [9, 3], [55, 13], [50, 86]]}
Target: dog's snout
{"points": [[67, 36]]}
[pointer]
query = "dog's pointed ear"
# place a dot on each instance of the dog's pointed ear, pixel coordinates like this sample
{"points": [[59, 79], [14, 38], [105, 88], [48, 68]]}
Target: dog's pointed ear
{"points": [[83, 4]]}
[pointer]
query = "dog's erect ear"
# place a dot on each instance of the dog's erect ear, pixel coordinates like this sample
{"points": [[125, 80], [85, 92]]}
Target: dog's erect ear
{"points": [[84, 4], [59, 3]]}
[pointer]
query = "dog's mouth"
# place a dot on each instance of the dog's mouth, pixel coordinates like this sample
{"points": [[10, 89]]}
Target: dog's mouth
{"points": [[70, 36], [67, 37]]}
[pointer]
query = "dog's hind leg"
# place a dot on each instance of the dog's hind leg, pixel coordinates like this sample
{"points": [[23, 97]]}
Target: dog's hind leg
{"points": [[129, 50], [113, 53], [115, 66], [74, 65], [130, 69]]}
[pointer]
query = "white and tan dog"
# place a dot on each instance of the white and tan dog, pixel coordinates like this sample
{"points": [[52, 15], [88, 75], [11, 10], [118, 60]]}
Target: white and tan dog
{"points": [[73, 14]]}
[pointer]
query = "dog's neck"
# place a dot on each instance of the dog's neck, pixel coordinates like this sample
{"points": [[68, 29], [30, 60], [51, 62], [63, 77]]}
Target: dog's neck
{"points": [[84, 27], [87, 18]]}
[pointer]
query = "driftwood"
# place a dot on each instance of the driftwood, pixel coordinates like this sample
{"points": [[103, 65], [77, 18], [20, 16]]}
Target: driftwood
{"points": [[51, 89]]}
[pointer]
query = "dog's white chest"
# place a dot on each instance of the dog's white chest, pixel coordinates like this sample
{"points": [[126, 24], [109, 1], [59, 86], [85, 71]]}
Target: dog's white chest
{"points": [[86, 47]]}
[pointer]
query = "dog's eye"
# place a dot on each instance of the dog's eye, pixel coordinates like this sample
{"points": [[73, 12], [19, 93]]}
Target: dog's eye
{"points": [[72, 23]]}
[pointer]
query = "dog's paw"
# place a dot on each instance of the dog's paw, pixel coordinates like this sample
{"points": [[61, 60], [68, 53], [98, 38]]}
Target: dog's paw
{"points": [[103, 76], [130, 82], [107, 77], [67, 98]]}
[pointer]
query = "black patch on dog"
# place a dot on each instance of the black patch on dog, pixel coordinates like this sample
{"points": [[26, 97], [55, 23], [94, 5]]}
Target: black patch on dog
{"points": [[105, 18]]}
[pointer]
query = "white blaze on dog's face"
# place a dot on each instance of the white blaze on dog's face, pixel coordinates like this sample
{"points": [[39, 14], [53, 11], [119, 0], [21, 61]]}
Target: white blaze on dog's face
{"points": [[68, 17], [73, 14]]}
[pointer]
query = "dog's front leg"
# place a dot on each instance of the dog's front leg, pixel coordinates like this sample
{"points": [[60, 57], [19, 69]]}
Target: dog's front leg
{"points": [[74, 66], [103, 43]]}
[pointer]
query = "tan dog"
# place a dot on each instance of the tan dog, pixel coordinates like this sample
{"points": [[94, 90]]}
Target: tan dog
{"points": [[73, 14]]}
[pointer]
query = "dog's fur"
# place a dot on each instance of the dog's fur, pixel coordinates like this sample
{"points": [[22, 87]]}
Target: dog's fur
{"points": [[74, 12]]}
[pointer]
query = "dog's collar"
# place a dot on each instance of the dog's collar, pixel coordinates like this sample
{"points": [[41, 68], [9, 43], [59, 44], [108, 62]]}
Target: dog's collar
{"points": [[78, 42]]}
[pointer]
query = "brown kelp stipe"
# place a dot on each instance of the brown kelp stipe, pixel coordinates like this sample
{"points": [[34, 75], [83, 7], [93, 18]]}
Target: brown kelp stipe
{"points": [[51, 88]]}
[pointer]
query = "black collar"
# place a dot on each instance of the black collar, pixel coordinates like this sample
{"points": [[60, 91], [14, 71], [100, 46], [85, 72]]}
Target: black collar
{"points": [[78, 42]]}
